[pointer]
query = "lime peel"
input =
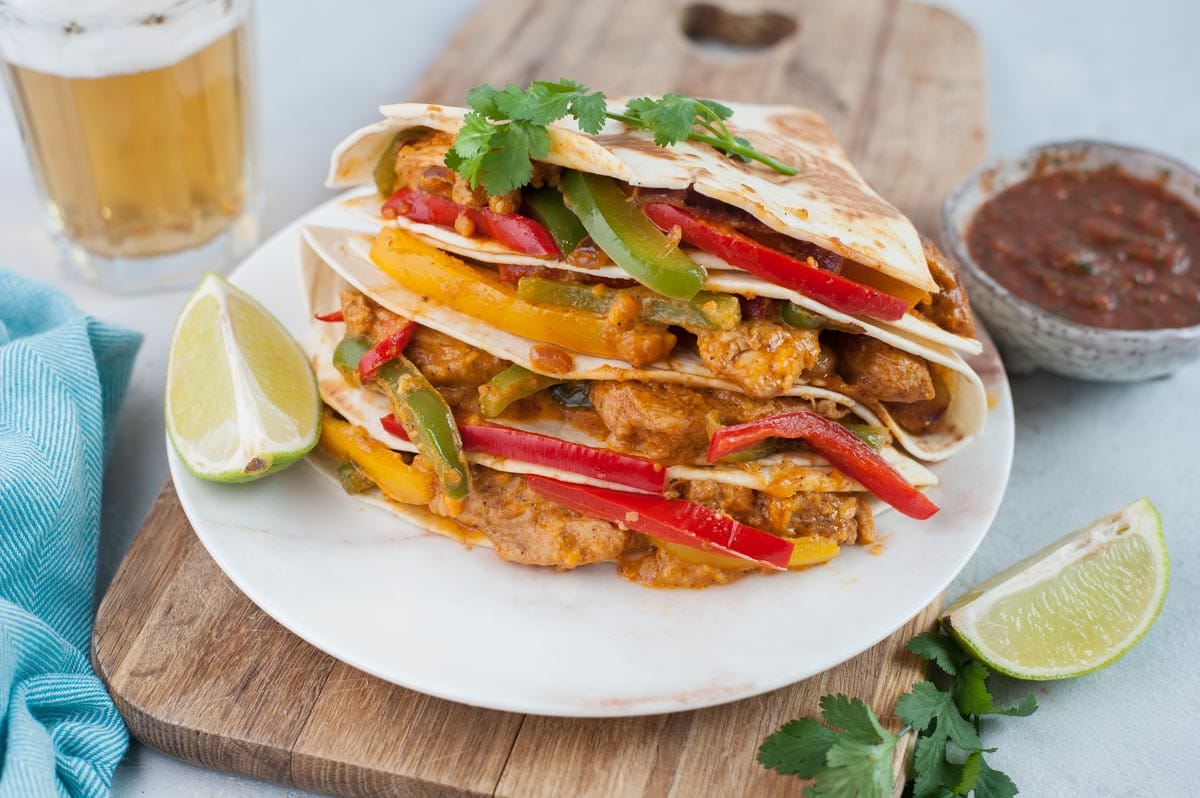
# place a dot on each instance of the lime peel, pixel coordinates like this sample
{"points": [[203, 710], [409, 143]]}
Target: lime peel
{"points": [[1074, 607], [241, 398]]}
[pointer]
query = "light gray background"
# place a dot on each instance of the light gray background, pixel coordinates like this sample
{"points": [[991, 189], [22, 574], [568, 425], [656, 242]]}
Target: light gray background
{"points": [[1119, 70]]}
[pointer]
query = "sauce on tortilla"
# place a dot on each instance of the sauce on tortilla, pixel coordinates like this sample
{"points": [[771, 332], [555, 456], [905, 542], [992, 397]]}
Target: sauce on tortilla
{"points": [[1100, 248]]}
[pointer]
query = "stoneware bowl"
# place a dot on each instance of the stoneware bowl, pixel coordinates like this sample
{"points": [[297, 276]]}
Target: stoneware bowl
{"points": [[1031, 337]]}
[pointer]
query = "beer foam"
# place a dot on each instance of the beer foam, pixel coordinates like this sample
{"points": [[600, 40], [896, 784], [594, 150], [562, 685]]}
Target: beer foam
{"points": [[98, 38]]}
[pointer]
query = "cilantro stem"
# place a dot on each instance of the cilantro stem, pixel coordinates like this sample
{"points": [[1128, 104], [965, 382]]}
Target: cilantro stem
{"points": [[629, 120], [745, 152], [721, 141]]}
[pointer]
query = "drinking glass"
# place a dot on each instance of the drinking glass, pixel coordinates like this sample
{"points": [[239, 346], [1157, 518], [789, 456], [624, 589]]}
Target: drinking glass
{"points": [[138, 121]]}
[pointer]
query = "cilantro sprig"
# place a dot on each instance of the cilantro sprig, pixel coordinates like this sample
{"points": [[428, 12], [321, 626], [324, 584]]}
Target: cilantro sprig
{"points": [[850, 754], [506, 129]]}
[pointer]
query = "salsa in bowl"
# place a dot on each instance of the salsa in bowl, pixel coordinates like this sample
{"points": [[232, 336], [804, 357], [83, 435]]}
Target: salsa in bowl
{"points": [[1084, 258]]}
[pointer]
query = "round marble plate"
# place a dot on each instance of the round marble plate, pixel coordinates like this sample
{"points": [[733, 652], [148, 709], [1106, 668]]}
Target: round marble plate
{"points": [[426, 613]]}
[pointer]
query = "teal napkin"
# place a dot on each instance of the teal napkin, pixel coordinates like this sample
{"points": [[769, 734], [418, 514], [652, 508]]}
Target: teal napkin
{"points": [[62, 378]]}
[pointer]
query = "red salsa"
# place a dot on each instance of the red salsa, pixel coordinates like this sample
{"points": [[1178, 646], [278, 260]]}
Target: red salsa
{"points": [[1101, 248]]}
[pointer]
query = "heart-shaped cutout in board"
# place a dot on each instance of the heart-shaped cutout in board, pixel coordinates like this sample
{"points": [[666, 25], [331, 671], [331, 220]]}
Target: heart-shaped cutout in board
{"points": [[710, 25]]}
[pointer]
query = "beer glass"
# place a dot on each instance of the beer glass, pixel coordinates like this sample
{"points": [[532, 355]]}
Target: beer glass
{"points": [[138, 122]]}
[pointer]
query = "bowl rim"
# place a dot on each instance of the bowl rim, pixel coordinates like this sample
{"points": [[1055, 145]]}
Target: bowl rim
{"points": [[954, 239]]}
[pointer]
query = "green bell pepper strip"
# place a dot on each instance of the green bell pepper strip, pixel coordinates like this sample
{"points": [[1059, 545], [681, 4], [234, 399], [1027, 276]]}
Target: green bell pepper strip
{"points": [[515, 382], [349, 352], [628, 236], [707, 310], [795, 316], [385, 167], [426, 417], [571, 394], [546, 206], [419, 407], [875, 437], [353, 478]]}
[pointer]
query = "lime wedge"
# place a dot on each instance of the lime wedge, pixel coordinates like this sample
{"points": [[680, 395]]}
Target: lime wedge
{"points": [[242, 399], [1074, 607]]}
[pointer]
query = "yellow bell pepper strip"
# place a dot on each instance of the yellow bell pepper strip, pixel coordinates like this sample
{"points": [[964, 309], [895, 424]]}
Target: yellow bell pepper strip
{"points": [[705, 311], [515, 382], [449, 281], [545, 204], [677, 520], [807, 550], [628, 236], [430, 425], [397, 479]]}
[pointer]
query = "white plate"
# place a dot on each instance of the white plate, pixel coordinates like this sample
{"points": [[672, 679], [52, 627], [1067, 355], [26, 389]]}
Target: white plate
{"points": [[426, 613]]}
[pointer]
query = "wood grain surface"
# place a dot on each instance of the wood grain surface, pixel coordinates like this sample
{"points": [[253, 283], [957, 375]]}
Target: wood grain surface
{"points": [[201, 673]]}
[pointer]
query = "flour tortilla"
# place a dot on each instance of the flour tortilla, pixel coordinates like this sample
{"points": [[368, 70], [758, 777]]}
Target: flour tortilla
{"points": [[347, 253], [804, 471], [722, 276], [827, 203]]}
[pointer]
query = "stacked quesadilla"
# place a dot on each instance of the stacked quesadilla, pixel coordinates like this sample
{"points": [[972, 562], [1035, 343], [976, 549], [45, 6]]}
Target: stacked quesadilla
{"points": [[689, 364]]}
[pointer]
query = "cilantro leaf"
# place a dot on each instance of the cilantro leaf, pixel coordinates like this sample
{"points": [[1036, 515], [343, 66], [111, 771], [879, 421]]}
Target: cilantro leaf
{"points": [[992, 783], [506, 128], [852, 716], [968, 774], [925, 705], [718, 110], [857, 768], [1024, 708], [473, 143], [920, 705], [939, 649], [670, 119], [970, 690], [482, 100], [589, 111], [507, 166], [931, 768], [798, 747]]}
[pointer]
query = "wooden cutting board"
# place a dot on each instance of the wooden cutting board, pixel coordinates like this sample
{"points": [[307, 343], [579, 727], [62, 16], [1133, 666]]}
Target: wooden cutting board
{"points": [[201, 673]]}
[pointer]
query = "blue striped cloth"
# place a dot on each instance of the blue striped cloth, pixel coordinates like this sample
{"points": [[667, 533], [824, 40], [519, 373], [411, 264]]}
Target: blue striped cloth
{"points": [[62, 378]]}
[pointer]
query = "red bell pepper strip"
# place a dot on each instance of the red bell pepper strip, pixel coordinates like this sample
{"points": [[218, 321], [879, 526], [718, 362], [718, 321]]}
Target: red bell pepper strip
{"points": [[773, 266], [531, 447], [384, 351], [836, 444], [329, 317], [513, 230], [674, 520]]}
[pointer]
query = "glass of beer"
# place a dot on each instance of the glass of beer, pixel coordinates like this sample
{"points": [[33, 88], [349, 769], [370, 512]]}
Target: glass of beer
{"points": [[138, 121]]}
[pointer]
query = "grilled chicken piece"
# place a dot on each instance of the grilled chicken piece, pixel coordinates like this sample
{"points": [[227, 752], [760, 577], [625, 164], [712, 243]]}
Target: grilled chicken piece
{"points": [[446, 361], [840, 517], [948, 309], [884, 373], [764, 357], [528, 529], [662, 569], [662, 422], [365, 318]]}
